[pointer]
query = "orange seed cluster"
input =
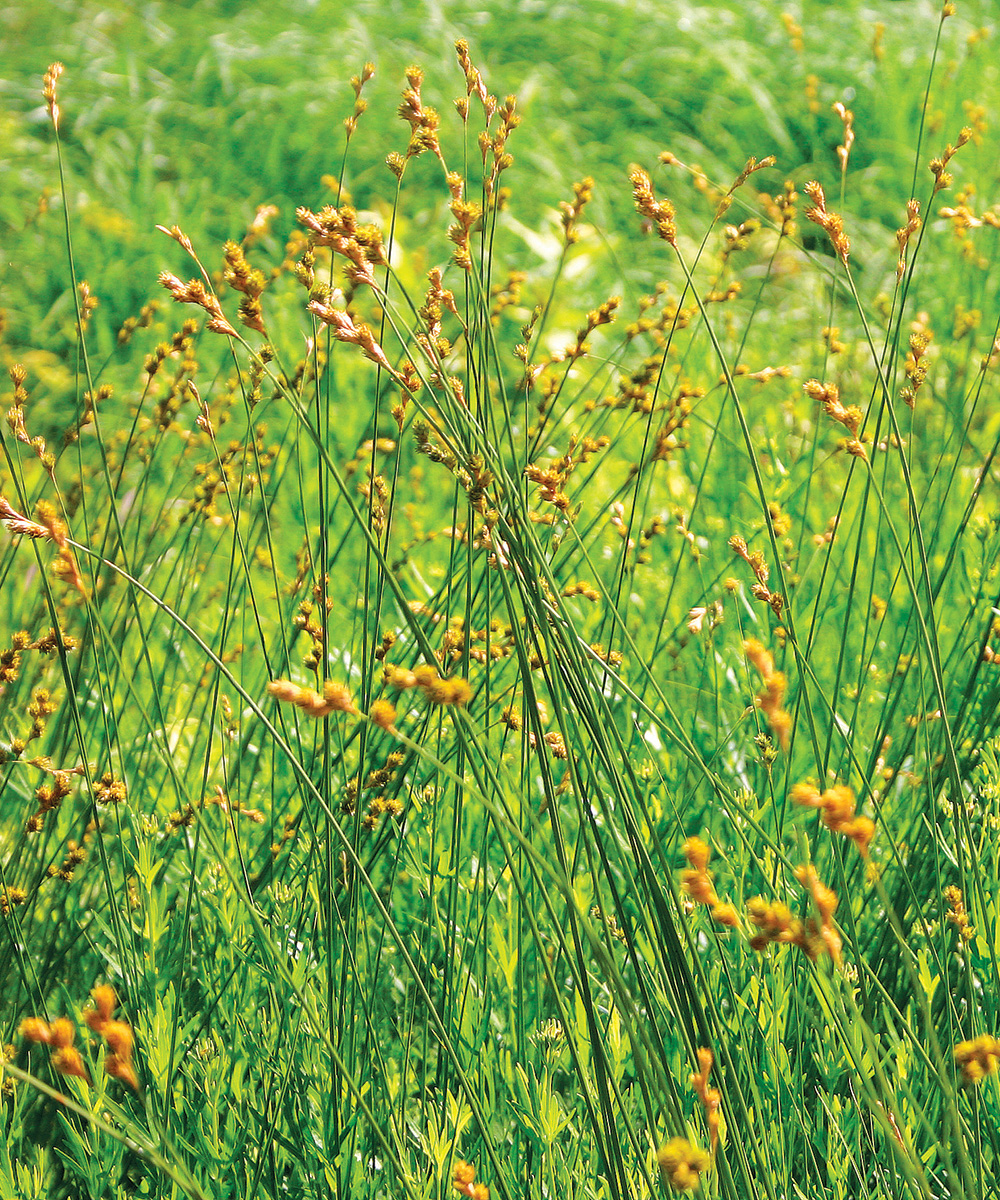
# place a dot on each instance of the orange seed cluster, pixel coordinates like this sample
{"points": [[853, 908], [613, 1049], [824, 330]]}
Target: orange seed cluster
{"points": [[463, 1181], [697, 882], [117, 1035], [335, 697], [769, 700], [454, 691], [755, 561], [837, 805], [775, 922], [59, 1036], [833, 223], [711, 1098]]}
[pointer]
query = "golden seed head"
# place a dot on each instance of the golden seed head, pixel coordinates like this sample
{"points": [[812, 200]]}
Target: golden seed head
{"points": [[338, 697], [697, 853], [49, 81], [105, 1002], [62, 1033], [977, 1058], [383, 714], [34, 1029]]}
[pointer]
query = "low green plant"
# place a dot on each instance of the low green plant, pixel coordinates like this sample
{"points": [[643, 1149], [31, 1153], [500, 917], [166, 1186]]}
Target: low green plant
{"points": [[472, 738]]}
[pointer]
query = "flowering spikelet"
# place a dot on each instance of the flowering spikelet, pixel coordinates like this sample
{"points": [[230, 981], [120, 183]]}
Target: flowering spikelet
{"points": [[770, 698], [781, 209], [906, 232], [345, 330], [246, 279], [850, 417], [978, 1058], [697, 882], [942, 177], [681, 1164], [11, 898], [195, 292], [833, 223], [50, 527], [400, 678], [571, 212], [360, 104], [659, 212], [454, 691], [179, 237], [711, 1098], [757, 564], [18, 524], [844, 150], [828, 395], [261, 223], [335, 697], [423, 121], [383, 714], [467, 214], [823, 936], [361, 245], [837, 805], [474, 81]]}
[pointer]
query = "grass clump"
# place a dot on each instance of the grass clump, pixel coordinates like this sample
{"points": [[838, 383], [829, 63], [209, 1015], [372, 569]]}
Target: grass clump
{"points": [[466, 735]]}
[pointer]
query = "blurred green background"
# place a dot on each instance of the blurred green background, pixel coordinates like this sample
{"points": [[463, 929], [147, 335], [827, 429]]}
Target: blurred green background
{"points": [[196, 112]]}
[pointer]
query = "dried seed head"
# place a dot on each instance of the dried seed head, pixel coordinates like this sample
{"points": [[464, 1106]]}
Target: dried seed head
{"points": [[49, 81], [659, 212], [844, 150], [181, 238], [833, 223]]}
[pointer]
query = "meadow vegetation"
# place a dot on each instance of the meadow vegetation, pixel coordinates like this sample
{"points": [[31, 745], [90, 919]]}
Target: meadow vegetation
{"points": [[500, 612]]}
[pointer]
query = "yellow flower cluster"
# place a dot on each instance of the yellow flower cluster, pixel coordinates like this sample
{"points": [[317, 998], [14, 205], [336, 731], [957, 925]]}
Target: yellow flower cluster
{"points": [[681, 1164], [978, 1058]]}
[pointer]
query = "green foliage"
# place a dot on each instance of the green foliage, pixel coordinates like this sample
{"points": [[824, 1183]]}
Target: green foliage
{"points": [[707, 521]]}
